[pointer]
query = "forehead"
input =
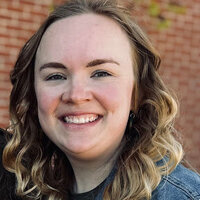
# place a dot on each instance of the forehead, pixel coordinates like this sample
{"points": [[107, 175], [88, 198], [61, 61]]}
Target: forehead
{"points": [[85, 35]]}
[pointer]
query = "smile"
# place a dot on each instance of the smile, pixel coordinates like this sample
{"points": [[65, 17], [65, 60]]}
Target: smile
{"points": [[81, 119]]}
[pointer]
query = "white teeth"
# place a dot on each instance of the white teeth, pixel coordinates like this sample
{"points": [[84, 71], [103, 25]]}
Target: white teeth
{"points": [[80, 120], [91, 119], [76, 120]]}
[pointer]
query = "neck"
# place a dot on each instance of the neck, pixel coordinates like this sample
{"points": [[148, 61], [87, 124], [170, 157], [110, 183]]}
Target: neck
{"points": [[89, 174]]}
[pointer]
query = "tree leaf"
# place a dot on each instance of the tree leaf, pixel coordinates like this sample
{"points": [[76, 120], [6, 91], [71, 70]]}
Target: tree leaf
{"points": [[154, 9]]}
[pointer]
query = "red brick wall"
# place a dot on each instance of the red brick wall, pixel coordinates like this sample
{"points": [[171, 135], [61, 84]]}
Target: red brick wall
{"points": [[18, 21], [178, 45]]}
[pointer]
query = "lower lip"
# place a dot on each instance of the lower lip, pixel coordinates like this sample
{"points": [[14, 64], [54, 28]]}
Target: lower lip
{"points": [[75, 126]]}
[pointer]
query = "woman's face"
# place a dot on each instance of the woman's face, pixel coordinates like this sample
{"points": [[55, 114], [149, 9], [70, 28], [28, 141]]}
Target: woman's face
{"points": [[83, 83]]}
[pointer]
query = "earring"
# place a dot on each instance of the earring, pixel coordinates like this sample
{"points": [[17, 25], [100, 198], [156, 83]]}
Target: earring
{"points": [[132, 134], [132, 114], [131, 119]]}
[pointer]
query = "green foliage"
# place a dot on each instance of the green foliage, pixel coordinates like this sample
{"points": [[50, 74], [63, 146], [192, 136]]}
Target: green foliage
{"points": [[177, 8], [51, 7], [154, 9], [163, 24]]}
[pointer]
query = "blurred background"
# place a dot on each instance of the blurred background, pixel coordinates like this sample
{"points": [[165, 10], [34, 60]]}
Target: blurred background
{"points": [[173, 26]]}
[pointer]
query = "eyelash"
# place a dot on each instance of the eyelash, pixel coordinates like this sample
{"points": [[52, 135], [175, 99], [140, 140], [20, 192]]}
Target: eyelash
{"points": [[99, 74], [53, 77]]}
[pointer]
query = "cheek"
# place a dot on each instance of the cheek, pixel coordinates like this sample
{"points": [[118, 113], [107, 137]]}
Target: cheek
{"points": [[109, 96], [114, 96], [47, 100]]}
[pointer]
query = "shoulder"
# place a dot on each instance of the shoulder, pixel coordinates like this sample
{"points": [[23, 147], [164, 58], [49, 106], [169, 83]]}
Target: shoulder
{"points": [[7, 179], [182, 183]]}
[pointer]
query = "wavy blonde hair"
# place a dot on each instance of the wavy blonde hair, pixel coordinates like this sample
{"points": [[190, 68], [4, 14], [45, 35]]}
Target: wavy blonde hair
{"points": [[42, 169]]}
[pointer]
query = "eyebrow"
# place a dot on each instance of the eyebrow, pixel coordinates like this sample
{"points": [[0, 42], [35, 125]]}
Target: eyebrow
{"points": [[93, 63], [100, 62], [54, 65]]}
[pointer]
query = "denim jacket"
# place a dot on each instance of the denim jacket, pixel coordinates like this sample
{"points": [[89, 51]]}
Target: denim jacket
{"points": [[181, 184]]}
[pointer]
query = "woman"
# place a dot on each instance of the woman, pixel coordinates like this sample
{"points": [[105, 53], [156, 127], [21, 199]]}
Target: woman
{"points": [[90, 116]]}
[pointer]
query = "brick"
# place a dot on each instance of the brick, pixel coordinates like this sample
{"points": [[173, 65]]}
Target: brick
{"points": [[40, 14], [4, 77], [6, 87], [4, 54], [4, 95], [10, 8], [30, 2], [4, 122], [3, 103]]}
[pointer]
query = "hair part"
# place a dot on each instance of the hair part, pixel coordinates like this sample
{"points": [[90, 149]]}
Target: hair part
{"points": [[148, 141]]}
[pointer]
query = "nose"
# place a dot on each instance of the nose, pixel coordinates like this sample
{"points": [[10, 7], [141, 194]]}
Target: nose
{"points": [[77, 91]]}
